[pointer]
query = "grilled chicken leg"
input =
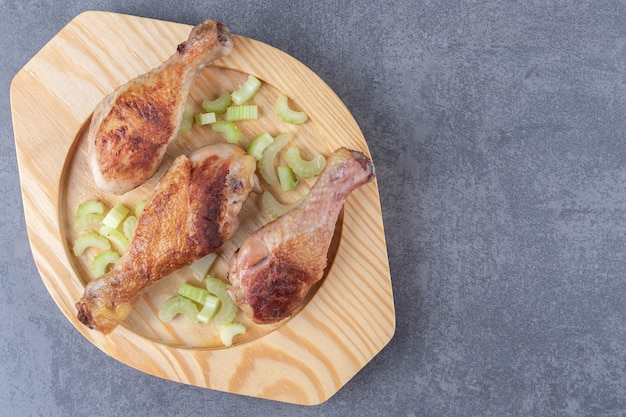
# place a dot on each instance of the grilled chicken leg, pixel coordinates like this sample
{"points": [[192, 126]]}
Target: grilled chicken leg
{"points": [[131, 127], [273, 270], [191, 213]]}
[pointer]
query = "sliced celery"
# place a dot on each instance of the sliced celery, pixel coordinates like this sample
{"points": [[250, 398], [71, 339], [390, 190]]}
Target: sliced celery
{"points": [[178, 305], [286, 178], [210, 307], [90, 240], [129, 227], [116, 237], [266, 164], [90, 207], [258, 145], [193, 293], [87, 222], [218, 105], [139, 207], [228, 130], [187, 121], [273, 207], [248, 112], [304, 168], [101, 262], [247, 91], [229, 331], [115, 216], [202, 119], [287, 114], [228, 310], [200, 267]]}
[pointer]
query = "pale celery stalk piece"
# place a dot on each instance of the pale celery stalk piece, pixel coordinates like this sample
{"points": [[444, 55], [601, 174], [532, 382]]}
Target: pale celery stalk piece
{"points": [[193, 293], [200, 267], [286, 178], [228, 130], [229, 331], [246, 112], [89, 207], [303, 168], [259, 144], [176, 305], [88, 215], [228, 309], [88, 222], [247, 91], [187, 122], [101, 262], [139, 207], [287, 114], [202, 119], [218, 105], [116, 237], [90, 240], [129, 227], [209, 309], [273, 207], [115, 216], [266, 164]]}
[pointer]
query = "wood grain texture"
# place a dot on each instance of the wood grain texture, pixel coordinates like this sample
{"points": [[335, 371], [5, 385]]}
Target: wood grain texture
{"points": [[304, 360]]}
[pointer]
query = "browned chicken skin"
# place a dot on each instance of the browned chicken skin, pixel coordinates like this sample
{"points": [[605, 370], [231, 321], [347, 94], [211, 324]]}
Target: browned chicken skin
{"points": [[275, 267], [131, 127], [191, 213]]}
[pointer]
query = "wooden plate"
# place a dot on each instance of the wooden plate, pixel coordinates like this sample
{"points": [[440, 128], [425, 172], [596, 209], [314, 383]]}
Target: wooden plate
{"points": [[345, 322]]}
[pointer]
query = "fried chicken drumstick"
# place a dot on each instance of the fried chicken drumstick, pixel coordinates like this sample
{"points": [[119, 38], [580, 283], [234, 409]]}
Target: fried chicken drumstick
{"points": [[273, 270], [191, 213], [131, 127]]}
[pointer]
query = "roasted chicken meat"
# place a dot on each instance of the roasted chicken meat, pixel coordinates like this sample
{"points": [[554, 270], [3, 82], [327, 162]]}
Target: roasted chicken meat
{"points": [[191, 213]]}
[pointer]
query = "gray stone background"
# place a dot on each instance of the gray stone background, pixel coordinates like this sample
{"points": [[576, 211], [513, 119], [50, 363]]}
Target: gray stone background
{"points": [[497, 129]]}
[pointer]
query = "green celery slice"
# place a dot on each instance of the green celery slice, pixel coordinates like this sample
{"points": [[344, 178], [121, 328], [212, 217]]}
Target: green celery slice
{"points": [[247, 112], [304, 168], [200, 267], [139, 207], [228, 130], [115, 216], [259, 144], [178, 305], [266, 164], [193, 293], [286, 178], [187, 122], [228, 310], [273, 207], [88, 222], [116, 237], [90, 207], [129, 227], [90, 240], [202, 119], [209, 309], [101, 262], [229, 331], [247, 91], [287, 114], [218, 105]]}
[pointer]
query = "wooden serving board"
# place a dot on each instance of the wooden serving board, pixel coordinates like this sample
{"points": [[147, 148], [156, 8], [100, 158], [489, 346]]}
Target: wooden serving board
{"points": [[346, 320]]}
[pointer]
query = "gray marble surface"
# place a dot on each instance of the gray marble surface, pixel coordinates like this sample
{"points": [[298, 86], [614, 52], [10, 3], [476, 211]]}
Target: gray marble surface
{"points": [[497, 129]]}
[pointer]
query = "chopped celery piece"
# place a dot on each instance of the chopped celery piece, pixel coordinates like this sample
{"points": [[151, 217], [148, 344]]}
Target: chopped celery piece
{"points": [[90, 240], [286, 178], [202, 119], [129, 227], [304, 168], [193, 293], [218, 105], [115, 216], [200, 267], [247, 91], [91, 221], [210, 307], [258, 145], [178, 305], [187, 121], [287, 114], [228, 310], [116, 237], [101, 262], [90, 207], [229, 331], [139, 207], [266, 164], [273, 207], [248, 112], [228, 130]]}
